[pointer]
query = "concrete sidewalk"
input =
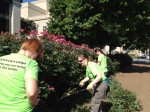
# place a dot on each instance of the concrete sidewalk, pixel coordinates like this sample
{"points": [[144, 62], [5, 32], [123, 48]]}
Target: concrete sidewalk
{"points": [[137, 80]]}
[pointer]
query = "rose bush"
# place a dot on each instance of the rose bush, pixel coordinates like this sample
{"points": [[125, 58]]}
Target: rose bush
{"points": [[61, 73]]}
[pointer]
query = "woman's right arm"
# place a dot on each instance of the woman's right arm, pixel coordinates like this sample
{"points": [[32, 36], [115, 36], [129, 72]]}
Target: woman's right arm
{"points": [[84, 81], [32, 91]]}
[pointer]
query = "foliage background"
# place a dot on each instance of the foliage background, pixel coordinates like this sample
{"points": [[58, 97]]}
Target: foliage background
{"points": [[60, 73], [102, 22]]}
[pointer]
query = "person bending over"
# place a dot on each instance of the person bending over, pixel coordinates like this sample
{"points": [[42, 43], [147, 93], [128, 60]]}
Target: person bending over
{"points": [[98, 82]]}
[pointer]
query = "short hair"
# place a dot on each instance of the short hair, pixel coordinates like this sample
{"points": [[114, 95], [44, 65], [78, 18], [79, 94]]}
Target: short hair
{"points": [[34, 46], [98, 49], [86, 56]]}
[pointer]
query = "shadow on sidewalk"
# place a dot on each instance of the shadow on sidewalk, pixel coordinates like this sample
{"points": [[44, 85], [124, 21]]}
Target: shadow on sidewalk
{"points": [[137, 68]]}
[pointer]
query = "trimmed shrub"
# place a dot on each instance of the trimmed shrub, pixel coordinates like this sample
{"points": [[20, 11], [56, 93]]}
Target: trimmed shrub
{"points": [[124, 60], [60, 73], [122, 100], [112, 66]]}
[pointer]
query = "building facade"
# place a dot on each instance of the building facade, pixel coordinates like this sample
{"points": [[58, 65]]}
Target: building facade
{"points": [[10, 15], [38, 11]]}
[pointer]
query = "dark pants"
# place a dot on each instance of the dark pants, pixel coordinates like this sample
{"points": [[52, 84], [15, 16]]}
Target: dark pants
{"points": [[100, 92]]}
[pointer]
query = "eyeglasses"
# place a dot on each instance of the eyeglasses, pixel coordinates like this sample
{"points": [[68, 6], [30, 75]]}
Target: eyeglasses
{"points": [[81, 60]]}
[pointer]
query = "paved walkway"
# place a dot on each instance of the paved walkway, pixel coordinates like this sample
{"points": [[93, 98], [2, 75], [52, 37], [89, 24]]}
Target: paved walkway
{"points": [[137, 80]]}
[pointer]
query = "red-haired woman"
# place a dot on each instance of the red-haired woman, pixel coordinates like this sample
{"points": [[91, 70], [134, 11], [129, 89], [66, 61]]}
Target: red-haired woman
{"points": [[18, 78]]}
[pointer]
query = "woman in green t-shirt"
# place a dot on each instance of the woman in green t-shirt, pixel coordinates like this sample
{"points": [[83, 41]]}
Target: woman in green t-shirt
{"points": [[18, 78], [101, 61], [98, 82]]}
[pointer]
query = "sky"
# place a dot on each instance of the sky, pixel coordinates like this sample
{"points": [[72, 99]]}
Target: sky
{"points": [[28, 0]]}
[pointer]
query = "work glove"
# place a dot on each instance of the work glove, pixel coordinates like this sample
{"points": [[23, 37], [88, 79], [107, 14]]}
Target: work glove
{"points": [[82, 83], [90, 87]]}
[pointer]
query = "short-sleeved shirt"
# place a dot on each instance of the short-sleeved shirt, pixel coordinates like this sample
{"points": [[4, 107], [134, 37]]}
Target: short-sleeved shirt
{"points": [[103, 63], [14, 70], [92, 70]]}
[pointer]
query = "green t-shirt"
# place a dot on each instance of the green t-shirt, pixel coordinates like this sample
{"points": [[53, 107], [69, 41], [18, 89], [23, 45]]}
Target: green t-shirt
{"points": [[92, 70], [103, 63], [14, 70]]}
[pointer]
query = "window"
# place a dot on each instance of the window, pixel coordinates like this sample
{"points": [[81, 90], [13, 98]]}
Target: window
{"points": [[4, 16], [44, 28]]}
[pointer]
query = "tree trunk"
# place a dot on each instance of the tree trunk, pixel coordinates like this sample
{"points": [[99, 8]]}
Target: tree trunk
{"points": [[110, 48], [149, 53]]}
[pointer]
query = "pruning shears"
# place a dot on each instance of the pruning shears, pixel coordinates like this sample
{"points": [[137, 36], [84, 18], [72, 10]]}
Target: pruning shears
{"points": [[72, 92]]}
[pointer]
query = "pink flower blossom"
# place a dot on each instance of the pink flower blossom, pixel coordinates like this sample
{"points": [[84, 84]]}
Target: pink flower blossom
{"points": [[21, 30], [52, 88], [28, 37], [44, 33], [33, 32]]}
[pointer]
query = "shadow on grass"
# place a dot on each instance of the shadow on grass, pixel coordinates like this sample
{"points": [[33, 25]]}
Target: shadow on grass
{"points": [[106, 106]]}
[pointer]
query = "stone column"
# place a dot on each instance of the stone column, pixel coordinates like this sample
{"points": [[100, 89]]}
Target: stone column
{"points": [[14, 16]]}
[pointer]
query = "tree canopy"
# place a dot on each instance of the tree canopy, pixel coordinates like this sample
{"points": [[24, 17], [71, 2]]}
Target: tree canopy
{"points": [[102, 22]]}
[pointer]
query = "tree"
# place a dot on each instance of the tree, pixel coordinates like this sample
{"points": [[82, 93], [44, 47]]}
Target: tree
{"points": [[126, 20], [100, 22], [78, 20], [27, 25]]}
